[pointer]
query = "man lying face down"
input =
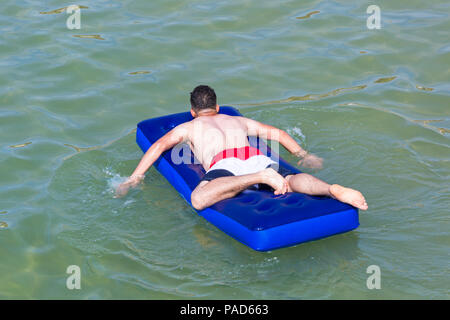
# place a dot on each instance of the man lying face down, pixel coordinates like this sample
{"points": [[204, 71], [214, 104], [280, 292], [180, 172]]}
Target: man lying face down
{"points": [[220, 143]]}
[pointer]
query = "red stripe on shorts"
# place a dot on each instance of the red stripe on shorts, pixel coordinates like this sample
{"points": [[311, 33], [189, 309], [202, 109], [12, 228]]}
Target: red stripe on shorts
{"points": [[242, 153]]}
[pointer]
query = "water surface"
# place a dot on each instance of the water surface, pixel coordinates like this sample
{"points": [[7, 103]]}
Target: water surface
{"points": [[373, 103]]}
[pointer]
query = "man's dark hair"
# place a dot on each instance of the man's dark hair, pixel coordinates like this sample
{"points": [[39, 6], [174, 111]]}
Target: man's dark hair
{"points": [[203, 97]]}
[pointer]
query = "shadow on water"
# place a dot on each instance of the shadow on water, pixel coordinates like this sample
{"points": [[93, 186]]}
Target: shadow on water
{"points": [[61, 10], [308, 15]]}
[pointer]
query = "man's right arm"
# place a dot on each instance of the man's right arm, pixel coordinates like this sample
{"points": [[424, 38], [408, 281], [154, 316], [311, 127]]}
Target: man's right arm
{"points": [[268, 132]]}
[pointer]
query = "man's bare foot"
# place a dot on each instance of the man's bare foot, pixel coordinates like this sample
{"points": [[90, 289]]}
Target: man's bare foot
{"points": [[350, 196], [275, 180]]}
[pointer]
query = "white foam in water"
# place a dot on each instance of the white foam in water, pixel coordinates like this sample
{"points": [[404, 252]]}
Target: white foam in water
{"points": [[114, 179], [296, 131], [129, 201]]}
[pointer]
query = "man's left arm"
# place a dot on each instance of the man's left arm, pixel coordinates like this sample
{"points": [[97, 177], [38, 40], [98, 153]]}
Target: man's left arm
{"points": [[170, 139]]}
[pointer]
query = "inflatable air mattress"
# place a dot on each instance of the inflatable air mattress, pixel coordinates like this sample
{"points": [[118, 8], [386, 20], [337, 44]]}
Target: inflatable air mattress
{"points": [[256, 218]]}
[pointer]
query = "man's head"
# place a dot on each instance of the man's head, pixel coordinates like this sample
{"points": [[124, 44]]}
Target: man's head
{"points": [[203, 100]]}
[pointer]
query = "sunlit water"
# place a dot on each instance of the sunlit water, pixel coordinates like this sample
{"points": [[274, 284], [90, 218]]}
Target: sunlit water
{"points": [[373, 103]]}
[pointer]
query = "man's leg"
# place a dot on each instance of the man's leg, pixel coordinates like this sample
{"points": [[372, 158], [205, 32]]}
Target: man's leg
{"points": [[208, 193], [308, 184]]}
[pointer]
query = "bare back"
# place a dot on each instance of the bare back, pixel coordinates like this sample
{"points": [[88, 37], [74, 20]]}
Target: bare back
{"points": [[209, 135]]}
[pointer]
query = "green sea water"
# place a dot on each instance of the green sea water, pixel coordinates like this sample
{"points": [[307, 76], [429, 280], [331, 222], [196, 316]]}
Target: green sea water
{"points": [[374, 103]]}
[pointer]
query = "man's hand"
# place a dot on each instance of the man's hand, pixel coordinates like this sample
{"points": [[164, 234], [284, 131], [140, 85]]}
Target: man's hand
{"points": [[311, 161], [131, 182]]}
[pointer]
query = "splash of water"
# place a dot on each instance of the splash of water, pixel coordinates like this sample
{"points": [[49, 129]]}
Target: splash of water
{"points": [[296, 132], [113, 179]]}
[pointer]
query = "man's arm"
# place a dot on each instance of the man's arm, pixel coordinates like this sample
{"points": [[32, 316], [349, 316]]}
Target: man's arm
{"points": [[169, 140], [268, 132]]}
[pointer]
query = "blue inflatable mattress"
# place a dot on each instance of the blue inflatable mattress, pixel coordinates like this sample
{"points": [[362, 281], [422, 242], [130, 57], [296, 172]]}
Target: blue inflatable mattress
{"points": [[256, 218]]}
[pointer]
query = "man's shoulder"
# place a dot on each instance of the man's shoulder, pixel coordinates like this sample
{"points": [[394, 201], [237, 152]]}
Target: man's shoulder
{"points": [[183, 127], [226, 116]]}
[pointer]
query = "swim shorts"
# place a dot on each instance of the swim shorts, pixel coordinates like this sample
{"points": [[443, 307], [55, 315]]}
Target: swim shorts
{"points": [[241, 161]]}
